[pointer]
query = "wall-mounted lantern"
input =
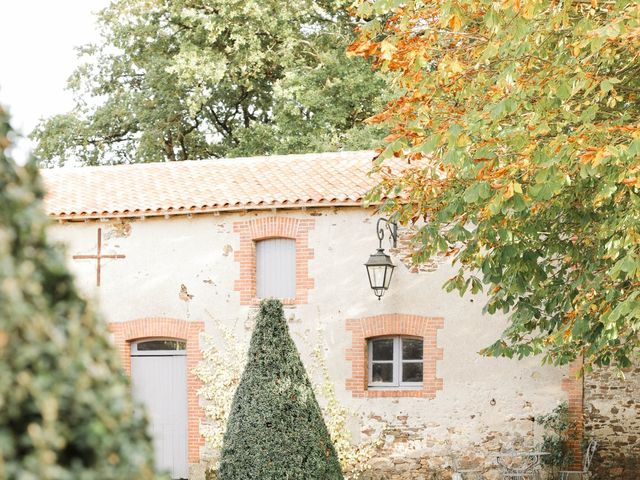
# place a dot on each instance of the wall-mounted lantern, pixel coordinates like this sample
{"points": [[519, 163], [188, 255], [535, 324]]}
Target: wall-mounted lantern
{"points": [[379, 266]]}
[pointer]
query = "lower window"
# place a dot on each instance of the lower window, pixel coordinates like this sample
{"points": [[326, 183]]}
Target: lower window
{"points": [[395, 362]]}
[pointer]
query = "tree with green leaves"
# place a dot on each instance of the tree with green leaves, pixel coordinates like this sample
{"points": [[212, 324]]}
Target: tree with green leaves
{"points": [[192, 79], [520, 120], [275, 429], [66, 411]]}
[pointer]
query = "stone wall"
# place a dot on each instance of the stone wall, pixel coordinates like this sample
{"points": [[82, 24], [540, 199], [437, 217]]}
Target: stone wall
{"points": [[612, 417]]}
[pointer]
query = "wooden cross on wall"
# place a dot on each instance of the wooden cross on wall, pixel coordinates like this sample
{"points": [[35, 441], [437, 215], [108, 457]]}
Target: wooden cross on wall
{"points": [[98, 256]]}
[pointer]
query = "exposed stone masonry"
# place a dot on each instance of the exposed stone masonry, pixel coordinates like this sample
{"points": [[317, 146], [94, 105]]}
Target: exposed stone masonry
{"points": [[612, 417]]}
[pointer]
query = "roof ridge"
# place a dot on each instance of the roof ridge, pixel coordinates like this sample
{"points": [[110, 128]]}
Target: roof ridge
{"points": [[290, 157]]}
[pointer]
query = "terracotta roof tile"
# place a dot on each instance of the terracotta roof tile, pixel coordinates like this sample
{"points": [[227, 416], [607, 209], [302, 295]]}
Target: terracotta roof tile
{"points": [[208, 185]]}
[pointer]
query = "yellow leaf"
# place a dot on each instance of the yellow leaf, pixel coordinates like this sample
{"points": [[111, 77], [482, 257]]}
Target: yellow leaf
{"points": [[529, 10], [463, 140], [387, 49], [513, 187], [600, 156], [508, 192], [451, 65]]}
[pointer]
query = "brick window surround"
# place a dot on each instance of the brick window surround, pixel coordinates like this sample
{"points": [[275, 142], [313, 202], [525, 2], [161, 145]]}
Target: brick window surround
{"points": [[363, 329], [160, 327], [252, 231], [574, 387]]}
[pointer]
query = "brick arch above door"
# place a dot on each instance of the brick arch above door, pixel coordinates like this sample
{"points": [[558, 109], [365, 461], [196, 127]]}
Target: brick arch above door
{"points": [[125, 333]]}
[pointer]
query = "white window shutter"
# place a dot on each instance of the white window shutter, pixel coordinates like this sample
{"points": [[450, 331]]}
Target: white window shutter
{"points": [[276, 268]]}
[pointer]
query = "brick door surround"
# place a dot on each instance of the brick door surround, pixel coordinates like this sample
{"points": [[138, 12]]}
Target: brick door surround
{"points": [[125, 333]]}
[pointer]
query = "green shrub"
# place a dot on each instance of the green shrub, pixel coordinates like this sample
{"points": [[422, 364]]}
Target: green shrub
{"points": [[275, 429], [65, 406], [558, 430]]}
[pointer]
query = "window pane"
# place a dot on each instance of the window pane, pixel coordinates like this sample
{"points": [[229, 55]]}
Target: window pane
{"points": [[382, 349], [276, 268], [161, 345], [411, 349], [412, 372], [382, 372]]}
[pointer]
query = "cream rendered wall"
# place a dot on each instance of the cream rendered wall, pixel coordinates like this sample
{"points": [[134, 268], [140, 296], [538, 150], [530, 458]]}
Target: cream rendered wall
{"points": [[484, 403]]}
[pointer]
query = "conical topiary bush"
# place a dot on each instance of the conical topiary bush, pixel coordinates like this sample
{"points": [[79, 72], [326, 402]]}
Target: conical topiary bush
{"points": [[275, 429], [65, 406]]}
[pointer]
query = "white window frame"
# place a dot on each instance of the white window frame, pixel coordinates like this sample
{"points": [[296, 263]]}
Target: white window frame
{"points": [[397, 383]]}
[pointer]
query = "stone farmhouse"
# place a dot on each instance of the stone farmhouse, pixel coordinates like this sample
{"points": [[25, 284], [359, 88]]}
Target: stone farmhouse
{"points": [[170, 252]]}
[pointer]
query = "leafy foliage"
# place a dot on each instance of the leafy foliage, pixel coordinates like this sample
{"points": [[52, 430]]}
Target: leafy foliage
{"points": [[275, 429], [184, 79], [354, 457], [558, 431], [520, 122], [65, 406], [220, 371]]}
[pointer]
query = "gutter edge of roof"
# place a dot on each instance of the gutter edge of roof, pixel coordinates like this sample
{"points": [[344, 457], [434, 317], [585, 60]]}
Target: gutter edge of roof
{"points": [[185, 212]]}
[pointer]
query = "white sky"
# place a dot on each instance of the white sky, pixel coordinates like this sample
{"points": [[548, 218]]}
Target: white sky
{"points": [[38, 39]]}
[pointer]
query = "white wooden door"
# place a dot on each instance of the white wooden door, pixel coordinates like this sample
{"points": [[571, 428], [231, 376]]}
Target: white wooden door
{"points": [[159, 378]]}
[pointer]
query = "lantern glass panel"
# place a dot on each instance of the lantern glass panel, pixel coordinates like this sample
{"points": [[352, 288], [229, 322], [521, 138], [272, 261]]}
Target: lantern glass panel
{"points": [[387, 277], [377, 276]]}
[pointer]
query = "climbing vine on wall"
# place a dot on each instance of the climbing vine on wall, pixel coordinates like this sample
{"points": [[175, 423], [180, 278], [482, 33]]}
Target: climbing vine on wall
{"points": [[354, 458], [220, 371], [558, 432]]}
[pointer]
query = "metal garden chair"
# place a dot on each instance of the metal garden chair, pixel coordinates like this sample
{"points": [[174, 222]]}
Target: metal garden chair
{"points": [[586, 464], [516, 465], [533, 475]]}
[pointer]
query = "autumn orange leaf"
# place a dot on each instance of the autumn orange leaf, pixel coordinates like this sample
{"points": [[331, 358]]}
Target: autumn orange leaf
{"points": [[455, 23], [530, 121]]}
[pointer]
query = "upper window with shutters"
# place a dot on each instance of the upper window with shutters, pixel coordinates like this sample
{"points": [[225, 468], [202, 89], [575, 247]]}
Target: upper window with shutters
{"points": [[274, 257], [276, 268]]}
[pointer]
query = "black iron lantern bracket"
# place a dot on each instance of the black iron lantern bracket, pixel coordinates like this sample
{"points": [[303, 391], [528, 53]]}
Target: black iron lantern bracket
{"points": [[391, 226]]}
